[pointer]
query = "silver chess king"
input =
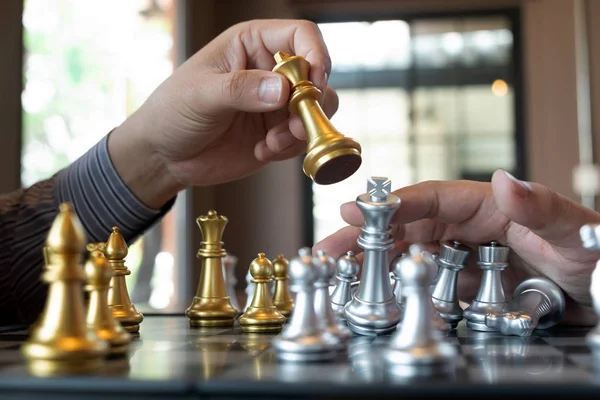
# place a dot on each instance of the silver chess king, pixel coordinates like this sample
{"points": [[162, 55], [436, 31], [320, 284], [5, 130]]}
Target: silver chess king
{"points": [[373, 310]]}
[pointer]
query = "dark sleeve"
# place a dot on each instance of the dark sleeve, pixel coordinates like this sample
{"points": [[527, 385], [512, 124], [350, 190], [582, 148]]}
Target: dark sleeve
{"points": [[101, 201]]}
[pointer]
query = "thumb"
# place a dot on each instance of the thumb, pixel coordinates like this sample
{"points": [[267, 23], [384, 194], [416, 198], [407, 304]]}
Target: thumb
{"points": [[247, 90], [546, 213]]}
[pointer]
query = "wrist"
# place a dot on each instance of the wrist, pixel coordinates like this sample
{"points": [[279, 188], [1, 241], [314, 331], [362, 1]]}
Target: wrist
{"points": [[142, 169]]}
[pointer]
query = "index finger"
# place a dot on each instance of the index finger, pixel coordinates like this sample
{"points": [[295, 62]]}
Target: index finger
{"points": [[298, 37], [449, 202]]}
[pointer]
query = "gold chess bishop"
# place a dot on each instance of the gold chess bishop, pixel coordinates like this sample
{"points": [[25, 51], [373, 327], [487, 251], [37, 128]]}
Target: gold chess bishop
{"points": [[60, 341], [331, 157], [118, 297], [211, 306]]}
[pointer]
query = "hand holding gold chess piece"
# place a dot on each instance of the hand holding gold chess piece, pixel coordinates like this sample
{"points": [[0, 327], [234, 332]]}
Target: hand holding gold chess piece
{"points": [[118, 296], [262, 316], [60, 341], [211, 305], [331, 157]]}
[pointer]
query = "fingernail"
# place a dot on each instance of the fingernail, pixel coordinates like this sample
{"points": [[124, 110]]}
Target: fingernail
{"points": [[524, 184], [269, 90]]}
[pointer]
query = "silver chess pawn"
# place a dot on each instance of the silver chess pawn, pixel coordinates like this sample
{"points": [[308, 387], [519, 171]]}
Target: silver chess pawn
{"points": [[326, 269], [417, 347], [347, 268], [303, 339], [537, 303], [590, 237], [397, 277], [452, 258], [373, 310], [492, 260]]}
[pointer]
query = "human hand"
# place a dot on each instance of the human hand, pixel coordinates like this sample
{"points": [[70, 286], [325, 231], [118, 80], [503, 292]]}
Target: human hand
{"points": [[223, 114], [540, 226]]}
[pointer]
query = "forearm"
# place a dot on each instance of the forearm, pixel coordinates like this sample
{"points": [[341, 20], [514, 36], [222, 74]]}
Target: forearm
{"points": [[101, 200]]}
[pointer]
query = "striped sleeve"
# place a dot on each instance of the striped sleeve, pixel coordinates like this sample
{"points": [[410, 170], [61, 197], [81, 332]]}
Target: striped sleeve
{"points": [[101, 200]]}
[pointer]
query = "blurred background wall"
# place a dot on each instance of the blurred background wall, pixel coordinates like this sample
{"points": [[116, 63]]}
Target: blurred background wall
{"points": [[435, 89]]}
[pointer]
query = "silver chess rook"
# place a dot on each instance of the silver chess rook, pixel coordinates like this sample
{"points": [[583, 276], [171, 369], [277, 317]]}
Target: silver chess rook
{"points": [[452, 258], [373, 309], [492, 260]]}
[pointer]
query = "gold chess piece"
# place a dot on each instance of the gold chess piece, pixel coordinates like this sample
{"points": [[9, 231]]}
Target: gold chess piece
{"points": [[118, 296], [99, 315], [261, 316], [211, 305], [90, 247], [331, 157], [60, 341], [281, 296]]}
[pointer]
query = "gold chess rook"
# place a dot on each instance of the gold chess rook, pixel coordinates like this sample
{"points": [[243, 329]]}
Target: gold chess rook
{"points": [[331, 157]]}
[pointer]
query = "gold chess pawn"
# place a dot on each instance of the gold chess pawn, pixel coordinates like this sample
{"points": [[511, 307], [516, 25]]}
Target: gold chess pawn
{"points": [[211, 305], [330, 157], [118, 296], [281, 295], [261, 316], [99, 316], [60, 341]]}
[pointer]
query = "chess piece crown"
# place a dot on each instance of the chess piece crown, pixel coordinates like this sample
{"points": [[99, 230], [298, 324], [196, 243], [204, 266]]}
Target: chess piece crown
{"points": [[331, 157]]}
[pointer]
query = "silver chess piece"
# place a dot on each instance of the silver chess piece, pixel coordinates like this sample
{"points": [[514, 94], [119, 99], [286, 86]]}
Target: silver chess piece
{"points": [[325, 271], [537, 303], [347, 270], [590, 237], [373, 309], [452, 258], [249, 290], [417, 348], [229, 264], [302, 338], [492, 260], [397, 277]]}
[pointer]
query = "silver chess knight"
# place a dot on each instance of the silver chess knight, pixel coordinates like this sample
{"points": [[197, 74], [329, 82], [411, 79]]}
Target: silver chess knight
{"points": [[347, 268], [590, 236], [373, 309], [417, 347], [452, 258], [537, 303], [492, 260]]}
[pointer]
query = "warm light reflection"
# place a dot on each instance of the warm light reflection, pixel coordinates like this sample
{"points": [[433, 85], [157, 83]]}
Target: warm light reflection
{"points": [[499, 88]]}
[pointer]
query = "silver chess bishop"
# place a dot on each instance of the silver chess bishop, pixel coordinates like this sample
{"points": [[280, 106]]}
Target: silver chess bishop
{"points": [[590, 237], [490, 298], [373, 310]]}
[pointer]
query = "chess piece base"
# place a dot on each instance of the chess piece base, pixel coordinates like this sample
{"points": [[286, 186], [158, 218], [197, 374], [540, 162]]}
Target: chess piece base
{"points": [[118, 342], [260, 320], [206, 312], [426, 360], [131, 328], [476, 312], [451, 313], [360, 316], [307, 349]]}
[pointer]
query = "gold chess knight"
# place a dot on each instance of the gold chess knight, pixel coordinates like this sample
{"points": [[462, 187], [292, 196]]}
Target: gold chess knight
{"points": [[60, 341], [118, 296], [211, 305], [331, 157]]}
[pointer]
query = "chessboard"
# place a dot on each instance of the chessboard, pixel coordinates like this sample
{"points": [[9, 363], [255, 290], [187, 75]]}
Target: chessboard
{"points": [[170, 359]]}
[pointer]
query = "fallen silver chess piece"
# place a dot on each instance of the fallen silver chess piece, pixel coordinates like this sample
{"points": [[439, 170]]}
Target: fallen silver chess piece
{"points": [[537, 303]]}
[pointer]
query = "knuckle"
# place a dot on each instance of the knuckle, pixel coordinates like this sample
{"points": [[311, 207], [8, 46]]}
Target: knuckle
{"points": [[234, 86]]}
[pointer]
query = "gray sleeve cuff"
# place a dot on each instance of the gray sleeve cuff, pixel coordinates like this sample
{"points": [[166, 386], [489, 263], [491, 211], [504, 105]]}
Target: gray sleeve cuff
{"points": [[102, 200]]}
